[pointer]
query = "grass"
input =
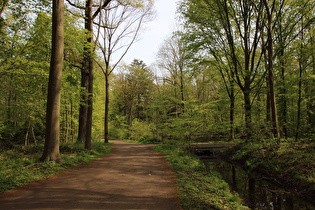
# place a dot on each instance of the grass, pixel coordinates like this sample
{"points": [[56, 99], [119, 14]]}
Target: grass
{"points": [[199, 188], [19, 166]]}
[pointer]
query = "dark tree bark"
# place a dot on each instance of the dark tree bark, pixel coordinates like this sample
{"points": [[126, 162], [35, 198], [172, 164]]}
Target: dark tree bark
{"points": [[106, 114], [272, 95], [85, 75], [89, 60], [51, 149], [299, 103], [83, 105], [86, 107]]}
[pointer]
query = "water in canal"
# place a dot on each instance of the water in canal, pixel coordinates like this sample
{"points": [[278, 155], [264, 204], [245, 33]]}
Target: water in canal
{"points": [[257, 191]]}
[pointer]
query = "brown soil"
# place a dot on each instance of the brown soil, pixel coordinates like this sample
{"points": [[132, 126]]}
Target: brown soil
{"points": [[132, 176]]}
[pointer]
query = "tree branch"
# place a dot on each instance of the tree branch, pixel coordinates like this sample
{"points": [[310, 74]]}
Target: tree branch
{"points": [[106, 2], [75, 5]]}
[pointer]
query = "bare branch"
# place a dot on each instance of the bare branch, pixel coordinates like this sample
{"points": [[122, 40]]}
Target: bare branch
{"points": [[75, 5], [106, 2]]}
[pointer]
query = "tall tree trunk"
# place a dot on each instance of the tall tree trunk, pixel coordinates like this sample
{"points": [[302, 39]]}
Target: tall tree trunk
{"points": [[248, 112], [66, 124], [273, 105], [83, 111], [301, 67], [89, 59], [232, 105], [298, 120], [283, 98], [51, 148], [88, 141], [283, 118], [311, 84], [106, 131], [9, 101]]}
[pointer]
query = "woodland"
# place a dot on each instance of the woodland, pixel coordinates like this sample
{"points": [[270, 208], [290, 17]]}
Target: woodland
{"points": [[239, 71]]}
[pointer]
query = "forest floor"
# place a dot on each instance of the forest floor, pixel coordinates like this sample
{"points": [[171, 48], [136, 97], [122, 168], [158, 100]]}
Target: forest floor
{"points": [[132, 176]]}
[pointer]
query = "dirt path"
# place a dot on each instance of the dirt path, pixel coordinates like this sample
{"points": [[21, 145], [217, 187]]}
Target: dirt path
{"points": [[132, 176]]}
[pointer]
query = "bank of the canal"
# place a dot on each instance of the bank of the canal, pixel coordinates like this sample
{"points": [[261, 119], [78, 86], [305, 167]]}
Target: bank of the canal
{"points": [[287, 170], [199, 187]]}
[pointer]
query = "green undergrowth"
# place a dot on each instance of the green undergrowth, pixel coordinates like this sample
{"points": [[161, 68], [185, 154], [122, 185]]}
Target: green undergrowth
{"points": [[142, 141], [20, 166], [290, 163], [199, 187]]}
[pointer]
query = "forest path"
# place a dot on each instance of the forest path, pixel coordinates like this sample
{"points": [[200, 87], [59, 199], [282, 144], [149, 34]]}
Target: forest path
{"points": [[132, 176]]}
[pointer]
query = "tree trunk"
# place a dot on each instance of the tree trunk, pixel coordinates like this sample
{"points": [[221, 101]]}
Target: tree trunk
{"points": [[283, 98], [301, 67], [283, 118], [66, 124], [273, 105], [88, 141], [232, 105], [298, 120], [83, 105], [311, 99], [106, 105], [85, 75], [248, 113], [51, 148], [89, 59]]}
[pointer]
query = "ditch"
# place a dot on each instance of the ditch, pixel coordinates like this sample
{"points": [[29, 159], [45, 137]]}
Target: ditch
{"points": [[257, 191]]}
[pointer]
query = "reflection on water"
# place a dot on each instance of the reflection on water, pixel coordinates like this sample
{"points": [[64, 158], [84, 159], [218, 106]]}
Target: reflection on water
{"points": [[258, 192]]}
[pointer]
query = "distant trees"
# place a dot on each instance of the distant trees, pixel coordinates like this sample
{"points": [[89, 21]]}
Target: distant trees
{"points": [[24, 60], [249, 40], [171, 58], [132, 97], [86, 65], [237, 69], [118, 28], [26, 54]]}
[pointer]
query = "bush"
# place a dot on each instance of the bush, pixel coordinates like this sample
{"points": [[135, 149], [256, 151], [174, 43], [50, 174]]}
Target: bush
{"points": [[142, 132], [149, 139]]}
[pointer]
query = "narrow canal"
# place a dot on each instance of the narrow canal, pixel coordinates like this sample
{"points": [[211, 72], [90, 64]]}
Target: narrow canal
{"points": [[258, 192]]}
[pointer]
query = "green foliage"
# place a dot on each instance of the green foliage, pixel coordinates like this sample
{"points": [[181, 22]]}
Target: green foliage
{"points": [[20, 166], [199, 188], [24, 78], [140, 130]]}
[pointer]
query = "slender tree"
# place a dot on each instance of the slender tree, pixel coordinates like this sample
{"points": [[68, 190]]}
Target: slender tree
{"points": [[118, 28], [270, 9], [231, 29], [171, 57], [51, 149], [86, 105]]}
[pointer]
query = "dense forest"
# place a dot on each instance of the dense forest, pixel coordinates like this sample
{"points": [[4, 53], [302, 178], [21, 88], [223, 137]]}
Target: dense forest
{"points": [[234, 70]]}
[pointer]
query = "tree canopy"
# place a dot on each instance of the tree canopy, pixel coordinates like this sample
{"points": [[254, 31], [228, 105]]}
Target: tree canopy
{"points": [[235, 70]]}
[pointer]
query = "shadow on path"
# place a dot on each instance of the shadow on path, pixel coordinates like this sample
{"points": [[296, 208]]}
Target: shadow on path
{"points": [[132, 176]]}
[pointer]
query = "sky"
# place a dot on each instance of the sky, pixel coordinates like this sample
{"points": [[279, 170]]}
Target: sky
{"points": [[155, 32]]}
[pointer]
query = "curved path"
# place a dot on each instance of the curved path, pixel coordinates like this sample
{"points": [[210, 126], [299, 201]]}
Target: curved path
{"points": [[132, 176]]}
